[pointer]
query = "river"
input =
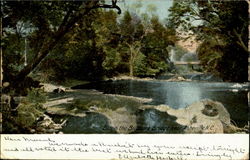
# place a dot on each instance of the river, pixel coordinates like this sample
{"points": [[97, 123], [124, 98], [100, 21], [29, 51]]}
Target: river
{"points": [[181, 94]]}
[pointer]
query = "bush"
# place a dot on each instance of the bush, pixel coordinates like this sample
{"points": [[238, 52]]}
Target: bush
{"points": [[31, 109], [36, 95], [27, 114]]}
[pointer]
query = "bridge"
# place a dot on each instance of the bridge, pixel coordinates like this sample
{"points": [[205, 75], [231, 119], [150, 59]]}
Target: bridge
{"points": [[186, 63]]}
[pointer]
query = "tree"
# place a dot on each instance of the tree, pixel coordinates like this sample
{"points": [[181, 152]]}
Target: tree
{"points": [[52, 20], [134, 50], [222, 26], [132, 32], [156, 43], [1, 54]]}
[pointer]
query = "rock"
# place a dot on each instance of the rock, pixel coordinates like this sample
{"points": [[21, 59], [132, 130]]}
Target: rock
{"points": [[47, 125], [91, 123], [51, 131], [59, 90], [93, 108], [122, 120], [5, 99], [5, 105], [237, 85], [32, 131], [235, 90], [206, 116], [155, 121], [181, 78], [40, 129], [223, 114], [55, 126], [52, 88], [46, 122], [177, 79], [6, 84], [210, 111]]}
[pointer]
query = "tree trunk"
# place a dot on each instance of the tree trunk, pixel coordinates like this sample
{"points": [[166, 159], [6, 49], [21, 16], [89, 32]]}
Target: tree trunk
{"points": [[62, 30], [131, 70], [248, 42], [1, 55], [131, 62], [47, 47]]}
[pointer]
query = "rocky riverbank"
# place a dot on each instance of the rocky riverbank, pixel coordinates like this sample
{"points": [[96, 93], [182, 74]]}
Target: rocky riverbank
{"points": [[91, 111], [131, 115]]}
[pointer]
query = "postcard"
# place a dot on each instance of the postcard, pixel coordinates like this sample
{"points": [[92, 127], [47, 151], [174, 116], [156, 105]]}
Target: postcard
{"points": [[125, 79]]}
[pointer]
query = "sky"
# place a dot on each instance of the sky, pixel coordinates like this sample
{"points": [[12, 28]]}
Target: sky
{"points": [[162, 6]]}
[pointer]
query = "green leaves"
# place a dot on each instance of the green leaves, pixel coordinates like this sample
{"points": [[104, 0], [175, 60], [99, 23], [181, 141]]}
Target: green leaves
{"points": [[221, 26]]}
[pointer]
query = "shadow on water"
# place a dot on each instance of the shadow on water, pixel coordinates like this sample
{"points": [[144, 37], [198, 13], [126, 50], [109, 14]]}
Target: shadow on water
{"points": [[148, 121], [154, 121], [92, 123]]}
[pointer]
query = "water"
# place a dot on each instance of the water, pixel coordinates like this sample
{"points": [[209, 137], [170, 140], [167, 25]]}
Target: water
{"points": [[181, 94], [189, 57], [172, 55]]}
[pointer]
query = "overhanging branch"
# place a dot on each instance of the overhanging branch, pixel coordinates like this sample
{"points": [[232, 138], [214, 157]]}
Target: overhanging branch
{"points": [[113, 5]]}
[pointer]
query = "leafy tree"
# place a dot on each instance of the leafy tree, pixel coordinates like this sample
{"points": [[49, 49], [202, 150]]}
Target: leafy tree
{"points": [[132, 32], [52, 20], [134, 50], [222, 26], [155, 47]]}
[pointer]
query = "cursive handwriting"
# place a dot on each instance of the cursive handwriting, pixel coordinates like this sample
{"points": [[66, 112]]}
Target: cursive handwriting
{"points": [[122, 150]]}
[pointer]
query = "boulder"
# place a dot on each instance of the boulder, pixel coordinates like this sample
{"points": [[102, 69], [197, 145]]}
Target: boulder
{"points": [[59, 90], [205, 116]]}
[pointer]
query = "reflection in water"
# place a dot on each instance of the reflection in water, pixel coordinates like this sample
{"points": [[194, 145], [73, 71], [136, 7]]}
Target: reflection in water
{"points": [[181, 94]]}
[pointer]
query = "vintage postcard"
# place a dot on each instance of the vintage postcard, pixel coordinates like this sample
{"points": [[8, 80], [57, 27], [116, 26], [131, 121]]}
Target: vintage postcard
{"points": [[109, 73]]}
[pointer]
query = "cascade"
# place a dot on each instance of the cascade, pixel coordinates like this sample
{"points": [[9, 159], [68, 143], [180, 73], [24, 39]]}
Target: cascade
{"points": [[172, 55]]}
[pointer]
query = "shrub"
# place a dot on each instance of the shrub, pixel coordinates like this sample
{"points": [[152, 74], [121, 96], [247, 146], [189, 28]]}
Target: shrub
{"points": [[27, 114], [36, 95]]}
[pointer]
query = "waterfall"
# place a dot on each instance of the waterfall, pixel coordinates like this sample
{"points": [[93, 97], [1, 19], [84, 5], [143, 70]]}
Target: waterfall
{"points": [[172, 55]]}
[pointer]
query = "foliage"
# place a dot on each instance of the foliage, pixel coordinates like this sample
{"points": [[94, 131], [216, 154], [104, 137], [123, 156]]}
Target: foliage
{"points": [[31, 109], [179, 51], [95, 46], [103, 45], [36, 96], [224, 43], [13, 57], [48, 23], [28, 114]]}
